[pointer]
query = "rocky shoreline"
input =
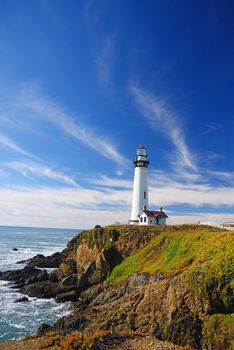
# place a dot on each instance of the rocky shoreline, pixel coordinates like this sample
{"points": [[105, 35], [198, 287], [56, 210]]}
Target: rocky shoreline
{"points": [[159, 304]]}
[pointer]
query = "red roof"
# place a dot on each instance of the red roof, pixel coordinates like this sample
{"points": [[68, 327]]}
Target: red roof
{"points": [[155, 213]]}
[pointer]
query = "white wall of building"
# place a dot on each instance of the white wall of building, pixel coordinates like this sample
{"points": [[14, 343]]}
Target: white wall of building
{"points": [[151, 220], [140, 192]]}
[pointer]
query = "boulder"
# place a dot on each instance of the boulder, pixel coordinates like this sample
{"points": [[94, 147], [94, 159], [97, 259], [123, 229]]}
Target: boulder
{"points": [[88, 295], [19, 276], [71, 323], [70, 280], [42, 276], [102, 269], [53, 276], [66, 268], [43, 328], [42, 289], [51, 261], [15, 249], [69, 296], [21, 300], [31, 279]]}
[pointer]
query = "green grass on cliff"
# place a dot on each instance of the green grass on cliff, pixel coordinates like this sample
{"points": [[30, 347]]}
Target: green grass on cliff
{"points": [[202, 257], [172, 252], [218, 332]]}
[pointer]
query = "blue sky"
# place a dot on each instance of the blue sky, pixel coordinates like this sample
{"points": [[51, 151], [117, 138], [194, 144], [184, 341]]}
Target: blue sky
{"points": [[83, 83]]}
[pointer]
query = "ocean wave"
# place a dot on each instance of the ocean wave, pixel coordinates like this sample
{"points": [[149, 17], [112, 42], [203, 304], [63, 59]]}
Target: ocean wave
{"points": [[18, 319]]}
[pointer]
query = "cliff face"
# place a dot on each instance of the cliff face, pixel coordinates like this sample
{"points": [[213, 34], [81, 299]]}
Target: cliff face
{"points": [[174, 282]]}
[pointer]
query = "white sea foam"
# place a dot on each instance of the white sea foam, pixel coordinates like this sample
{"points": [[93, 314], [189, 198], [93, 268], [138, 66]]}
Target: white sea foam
{"points": [[19, 319]]}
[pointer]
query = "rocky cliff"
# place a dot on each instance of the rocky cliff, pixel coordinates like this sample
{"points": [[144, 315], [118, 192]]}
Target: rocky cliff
{"points": [[174, 283]]}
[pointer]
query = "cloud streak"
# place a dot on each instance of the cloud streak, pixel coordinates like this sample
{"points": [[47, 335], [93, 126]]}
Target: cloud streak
{"points": [[5, 141], [104, 60], [50, 111], [161, 118], [82, 207], [28, 169]]}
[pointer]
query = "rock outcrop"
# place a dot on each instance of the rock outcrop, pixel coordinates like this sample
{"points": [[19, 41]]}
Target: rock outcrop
{"points": [[173, 283], [42, 261]]}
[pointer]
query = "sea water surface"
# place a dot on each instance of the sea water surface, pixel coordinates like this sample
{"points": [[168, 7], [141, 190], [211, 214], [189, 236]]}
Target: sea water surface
{"points": [[19, 319]]}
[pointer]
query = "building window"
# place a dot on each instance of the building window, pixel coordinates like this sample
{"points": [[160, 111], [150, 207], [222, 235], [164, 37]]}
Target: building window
{"points": [[145, 219], [151, 221], [144, 195], [141, 219]]}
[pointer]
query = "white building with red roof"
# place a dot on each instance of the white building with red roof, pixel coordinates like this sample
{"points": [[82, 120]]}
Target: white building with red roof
{"points": [[152, 217]]}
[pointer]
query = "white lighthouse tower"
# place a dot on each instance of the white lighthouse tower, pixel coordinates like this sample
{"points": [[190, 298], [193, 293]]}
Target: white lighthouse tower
{"points": [[140, 187]]}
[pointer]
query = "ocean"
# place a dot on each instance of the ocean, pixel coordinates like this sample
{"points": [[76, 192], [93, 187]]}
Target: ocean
{"points": [[20, 319]]}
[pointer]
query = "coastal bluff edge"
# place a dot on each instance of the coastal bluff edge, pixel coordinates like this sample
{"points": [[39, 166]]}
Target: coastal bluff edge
{"points": [[140, 287]]}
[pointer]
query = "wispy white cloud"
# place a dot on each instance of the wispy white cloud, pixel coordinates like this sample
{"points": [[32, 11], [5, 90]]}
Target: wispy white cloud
{"points": [[28, 169], [83, 207], [52, 112], [106, 181], [224, 176], [163, 119], [171, 189], [105, 60], [7, 142], [46, 207], [211, 127]]}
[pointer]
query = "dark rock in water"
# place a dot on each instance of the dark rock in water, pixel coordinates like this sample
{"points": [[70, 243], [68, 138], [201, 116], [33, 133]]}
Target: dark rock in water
{"points": [[52, 261], [15, 249], [41, 289], [43, 328], [69, 296], [42, 276], [97, 226], [19, 276], [21, 300], [31, 279], [22, 262], [71, 323]]}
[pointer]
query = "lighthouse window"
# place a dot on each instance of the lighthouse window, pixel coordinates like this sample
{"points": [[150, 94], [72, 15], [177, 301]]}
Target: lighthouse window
{"points": [[144, 219], [144, 195]]}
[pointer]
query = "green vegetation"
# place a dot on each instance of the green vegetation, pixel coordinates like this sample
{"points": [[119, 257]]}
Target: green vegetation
{"points": [[212, 274], [205, 260], [197, 261], [99, 236], [218, 332]]}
